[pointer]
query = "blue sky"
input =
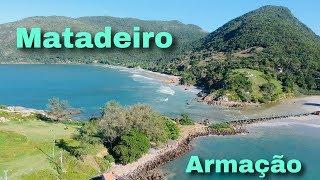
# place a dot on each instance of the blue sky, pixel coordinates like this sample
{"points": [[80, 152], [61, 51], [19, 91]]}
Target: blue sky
{"points": [[208, 14]]}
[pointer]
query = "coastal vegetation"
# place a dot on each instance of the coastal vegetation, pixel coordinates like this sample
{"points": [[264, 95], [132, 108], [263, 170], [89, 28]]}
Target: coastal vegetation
{"points": [[73, 149], [128, 132], [185, 119], [257, 57], [222, 127], [60, 110], [249, 85], [131, 147]]}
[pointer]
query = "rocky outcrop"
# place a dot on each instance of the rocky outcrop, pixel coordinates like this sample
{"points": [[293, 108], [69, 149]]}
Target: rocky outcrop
{"points": [[24, 111], [209, 99]]}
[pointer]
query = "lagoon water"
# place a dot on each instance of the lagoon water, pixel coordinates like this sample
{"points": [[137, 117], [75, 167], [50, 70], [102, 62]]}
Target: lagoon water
{"points": [[90, 87]]}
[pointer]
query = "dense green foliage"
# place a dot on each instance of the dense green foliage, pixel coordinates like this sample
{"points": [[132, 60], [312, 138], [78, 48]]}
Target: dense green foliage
{"points": [[117, 121], [240, 84], [270, 40], [131, 147], [172, 130], [248, 85], [222, 127], [127, 131], [185, 119]]}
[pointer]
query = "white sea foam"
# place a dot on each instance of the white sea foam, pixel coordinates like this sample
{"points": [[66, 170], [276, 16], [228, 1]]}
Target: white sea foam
{"points": [[166, 90], [309, 125], [138, 77], [194, 90], [164, 99], [124, 70], [287, 123]]}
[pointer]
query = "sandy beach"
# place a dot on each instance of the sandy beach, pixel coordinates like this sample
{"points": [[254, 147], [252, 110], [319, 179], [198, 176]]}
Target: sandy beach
{"points": [[300, 104], [165, 78]]}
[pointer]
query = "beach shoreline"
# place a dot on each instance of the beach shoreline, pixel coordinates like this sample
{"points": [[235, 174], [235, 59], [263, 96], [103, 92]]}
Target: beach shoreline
{"points": [[164, 78]]}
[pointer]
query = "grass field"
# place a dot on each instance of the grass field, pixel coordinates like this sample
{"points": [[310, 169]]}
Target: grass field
{"points": [[28, 151], [257, 79]]}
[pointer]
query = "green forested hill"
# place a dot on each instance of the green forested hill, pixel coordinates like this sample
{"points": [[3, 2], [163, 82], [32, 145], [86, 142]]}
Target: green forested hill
{"points": [[183, 36], [270, 40], [269, 27]]}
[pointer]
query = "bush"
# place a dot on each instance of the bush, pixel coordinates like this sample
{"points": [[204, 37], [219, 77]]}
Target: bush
{"points": [[117, 121], [109, 158], [60, 110], [265, 98], [131, 147], [185, 119], [222, 127], [89, 133], [3, 106], [268, 88], [105, 162], [172, 129], [236, 81]]}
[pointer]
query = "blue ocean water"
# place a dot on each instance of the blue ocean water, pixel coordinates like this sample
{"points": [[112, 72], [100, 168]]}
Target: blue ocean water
{"points": [[91, 87]]}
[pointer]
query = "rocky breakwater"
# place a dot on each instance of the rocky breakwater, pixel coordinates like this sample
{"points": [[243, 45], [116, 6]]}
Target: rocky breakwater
{"points": [[263, 119], [146, 167]]}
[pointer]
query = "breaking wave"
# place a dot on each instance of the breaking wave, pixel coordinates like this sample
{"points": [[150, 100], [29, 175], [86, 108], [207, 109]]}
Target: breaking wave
{"points": [[138, 77], [164, 99], [166, 90]]}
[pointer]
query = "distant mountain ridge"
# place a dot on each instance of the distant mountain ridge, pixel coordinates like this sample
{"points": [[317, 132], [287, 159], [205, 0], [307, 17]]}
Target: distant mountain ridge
{"points": [[183, 34]]}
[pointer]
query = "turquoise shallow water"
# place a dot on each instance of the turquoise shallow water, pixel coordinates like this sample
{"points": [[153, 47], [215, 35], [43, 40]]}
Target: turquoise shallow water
{"points": [[90, 87]]}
